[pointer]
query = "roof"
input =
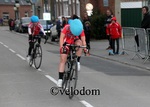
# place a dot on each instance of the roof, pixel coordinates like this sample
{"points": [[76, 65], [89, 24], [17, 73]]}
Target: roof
{"points": [[126, 5], [12, 2]]}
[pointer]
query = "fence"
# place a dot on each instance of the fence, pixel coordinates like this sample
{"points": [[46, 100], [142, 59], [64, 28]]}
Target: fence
{"points": [[136, 40]]}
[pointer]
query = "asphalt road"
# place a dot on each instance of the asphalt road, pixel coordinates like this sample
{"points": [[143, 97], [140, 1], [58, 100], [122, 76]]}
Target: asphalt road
{"points": [[23, 86]]}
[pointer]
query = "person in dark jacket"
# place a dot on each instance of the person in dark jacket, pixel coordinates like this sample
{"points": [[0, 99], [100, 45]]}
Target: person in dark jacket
{"points": [[146, 19], [87, 31], [58, 27], [63, 22], [10, 23], [109, 15], [145, 22]]}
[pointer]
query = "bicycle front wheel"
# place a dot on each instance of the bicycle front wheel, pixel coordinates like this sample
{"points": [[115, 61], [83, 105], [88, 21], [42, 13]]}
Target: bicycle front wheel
{"points": [[38, 56], [72, 82]]}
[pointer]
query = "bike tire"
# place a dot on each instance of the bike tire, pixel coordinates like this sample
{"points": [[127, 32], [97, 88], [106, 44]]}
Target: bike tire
{"points": [[38, 54], [72, 82], [65, 77]]}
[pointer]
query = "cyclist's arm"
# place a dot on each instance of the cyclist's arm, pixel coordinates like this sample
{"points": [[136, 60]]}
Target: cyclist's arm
{"points": [[62, 39], [29, 31], [42, 30], [83, 40]]}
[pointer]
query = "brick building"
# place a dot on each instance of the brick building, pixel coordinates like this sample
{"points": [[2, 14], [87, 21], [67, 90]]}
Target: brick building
{"points": [[7, 9], [102, 5]]}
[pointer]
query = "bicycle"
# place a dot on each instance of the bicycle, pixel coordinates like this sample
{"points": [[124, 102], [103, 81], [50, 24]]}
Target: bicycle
{"points": [[36, 53], [71, 70]]}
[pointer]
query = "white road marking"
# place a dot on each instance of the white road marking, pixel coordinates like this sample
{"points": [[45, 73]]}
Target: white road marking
{"points": [[39, 70], [51, 78], [1, 43], [86, 104], [21, 57], [12, 50], [6, 46]]}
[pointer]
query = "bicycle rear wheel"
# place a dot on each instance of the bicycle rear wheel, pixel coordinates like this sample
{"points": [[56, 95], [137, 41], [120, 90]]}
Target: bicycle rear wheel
{"points": [[72, 82], [66, 76], [37, 56]]}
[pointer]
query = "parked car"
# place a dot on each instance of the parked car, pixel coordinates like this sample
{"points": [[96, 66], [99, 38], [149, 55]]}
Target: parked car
{"points": [[46, 27], [23, 26]]}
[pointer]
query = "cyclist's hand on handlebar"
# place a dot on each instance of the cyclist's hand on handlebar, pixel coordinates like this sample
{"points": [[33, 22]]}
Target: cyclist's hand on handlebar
{"points": [[64, 50], [86, 52]]}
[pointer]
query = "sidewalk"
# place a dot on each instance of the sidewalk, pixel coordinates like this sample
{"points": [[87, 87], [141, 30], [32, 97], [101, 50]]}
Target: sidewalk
{"points": [[98, 48]]}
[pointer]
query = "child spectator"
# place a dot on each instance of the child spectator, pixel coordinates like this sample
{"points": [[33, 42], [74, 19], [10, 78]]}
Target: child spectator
{"points": [[114, 30]]}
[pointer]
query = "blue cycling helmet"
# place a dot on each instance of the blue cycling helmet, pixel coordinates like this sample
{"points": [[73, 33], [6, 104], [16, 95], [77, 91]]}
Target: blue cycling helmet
{"points": [[76, 27], [34, 19]]}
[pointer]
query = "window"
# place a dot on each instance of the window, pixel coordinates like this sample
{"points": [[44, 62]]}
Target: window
{"points": [[26, 14], [106, 3], [13, 1], [5, 15], [6, 1]]}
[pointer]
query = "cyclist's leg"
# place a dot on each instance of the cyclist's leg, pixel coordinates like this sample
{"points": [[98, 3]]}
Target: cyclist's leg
{"points": [[31, 45], [63, 59], [79, 52], [39, 40]]}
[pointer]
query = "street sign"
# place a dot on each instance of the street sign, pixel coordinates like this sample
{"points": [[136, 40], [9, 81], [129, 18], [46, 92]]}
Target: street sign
{"points": [[46, 16]]}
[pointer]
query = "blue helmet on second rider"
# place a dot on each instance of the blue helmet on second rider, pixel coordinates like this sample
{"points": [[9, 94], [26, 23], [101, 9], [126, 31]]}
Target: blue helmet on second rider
{"points": [[34, 19], [76, 27]]}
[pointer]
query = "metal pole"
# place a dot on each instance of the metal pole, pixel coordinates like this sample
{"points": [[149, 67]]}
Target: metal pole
{"points": [[71, 7], [76, 7], [33, 8], [62, 3]]}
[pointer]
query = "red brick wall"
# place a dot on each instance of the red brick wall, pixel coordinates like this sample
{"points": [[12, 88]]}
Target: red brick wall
{"points": [[103, 9], [97, 4], [10, 10]]}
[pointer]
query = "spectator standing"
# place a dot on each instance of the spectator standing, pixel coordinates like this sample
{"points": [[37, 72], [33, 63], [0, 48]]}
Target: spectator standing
{"points": [[114, 31], [86, 18], [63, 22], [87, 31], [11, 24], [58, 27], [145, 22], [109, 15]]}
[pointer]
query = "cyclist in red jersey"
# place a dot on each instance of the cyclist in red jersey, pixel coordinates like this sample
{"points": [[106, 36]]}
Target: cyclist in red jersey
{"points": [[70, 35], [33, 30]]}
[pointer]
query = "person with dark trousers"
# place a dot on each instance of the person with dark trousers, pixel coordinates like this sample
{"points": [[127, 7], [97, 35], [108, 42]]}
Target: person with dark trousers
{"points": [[58, 27], [109, 15], [11, 24], [114, 30], [63, 22], [85, 18], [145, 22], [87, 31]]}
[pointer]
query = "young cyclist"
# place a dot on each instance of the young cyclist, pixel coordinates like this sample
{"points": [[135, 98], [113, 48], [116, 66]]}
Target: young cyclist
{"points": [[70, 35], [33, 30]]}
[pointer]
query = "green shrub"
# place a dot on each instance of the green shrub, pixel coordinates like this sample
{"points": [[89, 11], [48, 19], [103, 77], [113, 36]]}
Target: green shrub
{"points": [[97, 22]]}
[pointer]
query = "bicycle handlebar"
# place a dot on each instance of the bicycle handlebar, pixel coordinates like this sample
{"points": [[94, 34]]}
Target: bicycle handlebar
{"points": [[72, 45]]}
